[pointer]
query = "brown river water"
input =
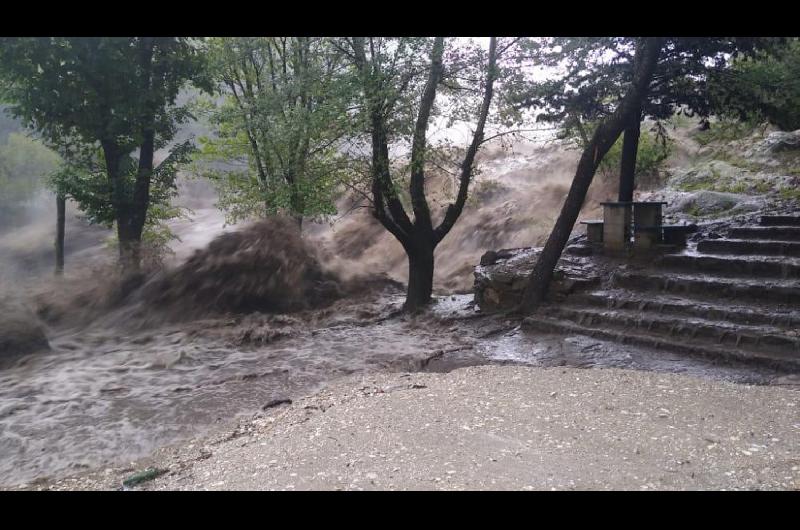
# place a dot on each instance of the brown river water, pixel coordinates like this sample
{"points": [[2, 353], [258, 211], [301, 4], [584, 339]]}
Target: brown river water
{"points": [[102, 396]]}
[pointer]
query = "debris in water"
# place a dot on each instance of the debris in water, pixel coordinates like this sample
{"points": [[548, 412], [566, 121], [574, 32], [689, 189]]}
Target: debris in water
{"points": [[143, 476], [276, 402]]}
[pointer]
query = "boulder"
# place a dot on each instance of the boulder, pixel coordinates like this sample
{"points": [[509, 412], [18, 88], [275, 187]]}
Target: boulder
{"points": [[707, 176], [780, 141], [709, 203], [499, 285], [489, 258]]}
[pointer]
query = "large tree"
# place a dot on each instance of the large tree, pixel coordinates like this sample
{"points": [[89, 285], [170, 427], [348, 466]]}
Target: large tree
{"points": [[607, 132], [399, 80], [111, 95], [284, 113]]}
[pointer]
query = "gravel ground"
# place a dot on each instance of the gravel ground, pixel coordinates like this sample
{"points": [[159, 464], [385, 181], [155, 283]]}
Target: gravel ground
{"points": [[496, 428]]}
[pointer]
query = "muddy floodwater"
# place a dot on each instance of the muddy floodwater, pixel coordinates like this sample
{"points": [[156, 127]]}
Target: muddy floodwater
{"points": [[103, 395]]}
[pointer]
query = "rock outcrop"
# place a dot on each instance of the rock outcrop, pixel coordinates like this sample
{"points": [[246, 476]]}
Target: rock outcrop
{"points": [[502, 275]]}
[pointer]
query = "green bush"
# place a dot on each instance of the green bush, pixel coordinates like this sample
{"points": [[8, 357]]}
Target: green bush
{"points": [[766, 87], [652, 152]]}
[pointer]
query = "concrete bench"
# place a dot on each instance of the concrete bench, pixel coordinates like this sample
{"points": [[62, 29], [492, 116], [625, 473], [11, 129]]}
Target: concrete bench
{"points": [[670, 234], [594, 230]]}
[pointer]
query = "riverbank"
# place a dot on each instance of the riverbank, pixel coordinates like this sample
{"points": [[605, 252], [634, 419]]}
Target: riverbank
{"points": [[495, 428]]}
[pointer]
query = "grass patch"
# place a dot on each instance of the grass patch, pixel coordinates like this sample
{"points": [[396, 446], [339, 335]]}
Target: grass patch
{"points": [[143, 476], [789, 193], [725, 131]]}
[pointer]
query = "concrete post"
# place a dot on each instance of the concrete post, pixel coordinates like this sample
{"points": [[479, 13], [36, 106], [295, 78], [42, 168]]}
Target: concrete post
{"points": [[616, 226], [647, 216]]}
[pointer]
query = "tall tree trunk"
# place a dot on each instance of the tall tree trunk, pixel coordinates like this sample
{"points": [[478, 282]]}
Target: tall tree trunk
{"points": [[141, 202], [60, 221], [630, 148], [420, 275], [129, 245], [132, 215], [128, 250], [296, 203], [604, 137]]}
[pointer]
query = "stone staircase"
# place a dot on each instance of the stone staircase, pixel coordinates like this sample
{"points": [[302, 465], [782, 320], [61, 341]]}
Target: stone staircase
{"points": [[729, 298]]}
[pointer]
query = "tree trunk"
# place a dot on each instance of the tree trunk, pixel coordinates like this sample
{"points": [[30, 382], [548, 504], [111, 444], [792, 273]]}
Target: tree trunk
{"points": [[627, 170], [604, 137], [420, 276], [127, 236], [129, 246], [296, 203], [60, 221]]}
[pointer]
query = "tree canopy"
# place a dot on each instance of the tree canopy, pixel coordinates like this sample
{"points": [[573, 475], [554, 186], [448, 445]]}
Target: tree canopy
{"points": [[106, 104], [283, 116], [765, 86], [591, 74]]}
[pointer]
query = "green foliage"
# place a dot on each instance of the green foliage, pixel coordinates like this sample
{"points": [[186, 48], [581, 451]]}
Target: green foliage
{"points": [[654, 148], [92, 89], [106, 104], [719, 176], [764, 87], [84, 179], [390, 75], [156, 235], [595, 71], [694, 211], [279, 126], [726, 130], [650, 156], [791, 193]]}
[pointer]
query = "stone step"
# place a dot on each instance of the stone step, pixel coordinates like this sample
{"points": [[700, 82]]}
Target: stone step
{"points": [[771, 267], [719, 333], [779, 220], [548, 324], [749, 247], [668, 305], [773, 233], [776, 292]]}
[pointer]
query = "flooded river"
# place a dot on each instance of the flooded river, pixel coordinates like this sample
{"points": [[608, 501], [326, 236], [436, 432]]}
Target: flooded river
{"points": [[103, 396]]}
